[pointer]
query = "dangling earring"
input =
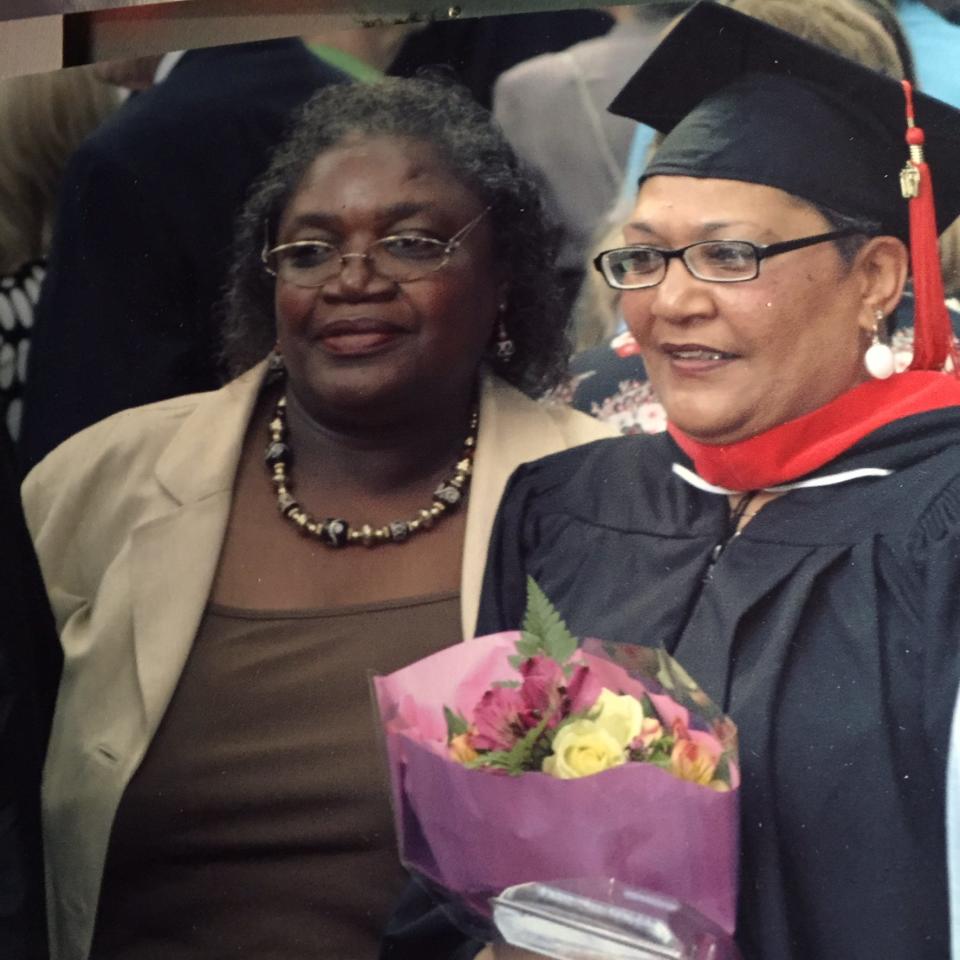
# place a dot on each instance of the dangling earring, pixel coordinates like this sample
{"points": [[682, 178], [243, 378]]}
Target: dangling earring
{"points": [[275, 366], [505, 347], [879, 357]]}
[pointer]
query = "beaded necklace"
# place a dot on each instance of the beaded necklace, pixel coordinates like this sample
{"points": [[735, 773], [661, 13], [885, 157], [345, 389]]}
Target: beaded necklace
{"points": [[335, 532]]}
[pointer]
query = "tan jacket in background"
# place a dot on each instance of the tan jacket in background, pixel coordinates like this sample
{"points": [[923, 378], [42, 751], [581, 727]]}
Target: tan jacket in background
{"points": [[553, 110], [128, 518]]}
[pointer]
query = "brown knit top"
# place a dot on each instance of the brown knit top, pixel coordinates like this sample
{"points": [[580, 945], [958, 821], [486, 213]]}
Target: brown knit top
{"points": [[258, 824]]}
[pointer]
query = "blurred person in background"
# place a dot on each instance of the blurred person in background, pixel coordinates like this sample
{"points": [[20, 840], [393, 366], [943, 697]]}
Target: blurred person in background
{"points": [[143, 231], [553, 110], [29, 672], [213, 786], [933, 29], [477, 50], [887, 14], [43, 119], [948, 9]]}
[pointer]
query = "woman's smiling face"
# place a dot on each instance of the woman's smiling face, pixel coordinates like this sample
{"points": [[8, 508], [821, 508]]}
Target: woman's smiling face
{"points": [[732, 360], [362, 344]]}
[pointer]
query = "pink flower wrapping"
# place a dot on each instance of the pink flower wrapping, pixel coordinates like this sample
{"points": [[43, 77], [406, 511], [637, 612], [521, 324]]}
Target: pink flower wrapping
{"points": [[474, 832]]}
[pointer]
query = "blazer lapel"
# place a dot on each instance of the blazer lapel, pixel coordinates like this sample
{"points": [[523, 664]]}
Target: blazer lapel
{"points": [[174, 555], [173, 561]]}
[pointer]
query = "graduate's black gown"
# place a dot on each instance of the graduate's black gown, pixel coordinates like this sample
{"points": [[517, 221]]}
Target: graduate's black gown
{"points": [[828, 630]]}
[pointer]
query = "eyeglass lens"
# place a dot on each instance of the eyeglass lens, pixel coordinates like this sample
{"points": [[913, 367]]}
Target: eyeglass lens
{"points": [[719, 260], [313, 263]]}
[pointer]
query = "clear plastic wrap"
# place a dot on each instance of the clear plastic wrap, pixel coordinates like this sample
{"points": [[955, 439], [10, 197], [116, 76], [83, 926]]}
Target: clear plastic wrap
{"points": [[595, 919]]}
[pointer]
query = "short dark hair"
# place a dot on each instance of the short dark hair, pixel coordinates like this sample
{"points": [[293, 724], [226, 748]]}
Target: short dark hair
{"points": [[434, 111]]}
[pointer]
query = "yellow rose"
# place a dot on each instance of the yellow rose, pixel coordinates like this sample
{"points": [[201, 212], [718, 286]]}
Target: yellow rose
{"points": [[582, 748], [461, 749], [620, 716], [691, 761]]}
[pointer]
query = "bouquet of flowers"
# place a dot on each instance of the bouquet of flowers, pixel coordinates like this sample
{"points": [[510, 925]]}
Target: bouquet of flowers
{"points": [[532, 756]]}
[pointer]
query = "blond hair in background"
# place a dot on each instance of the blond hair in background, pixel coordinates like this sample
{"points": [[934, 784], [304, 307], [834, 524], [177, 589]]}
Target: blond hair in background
{"points": [[839, 25], [43, 119], [843, 26]]}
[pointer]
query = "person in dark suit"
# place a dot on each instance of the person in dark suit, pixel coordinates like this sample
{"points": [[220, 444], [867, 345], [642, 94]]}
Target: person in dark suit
{"points": [[478, 49], [29, 673], [144, 231]]}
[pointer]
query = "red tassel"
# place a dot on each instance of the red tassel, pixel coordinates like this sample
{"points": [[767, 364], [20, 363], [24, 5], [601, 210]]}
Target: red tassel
{"points": [[933, 340]]}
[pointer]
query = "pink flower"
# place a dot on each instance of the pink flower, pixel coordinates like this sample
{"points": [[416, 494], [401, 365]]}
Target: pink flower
{"points": [[548, 693], [543, 681], [504, 714], [497, 719], [583, 689], [675, 718]]}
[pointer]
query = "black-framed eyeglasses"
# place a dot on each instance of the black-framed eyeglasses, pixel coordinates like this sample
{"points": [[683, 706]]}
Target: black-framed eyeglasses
{"points": [[718, 261], [401, 257]]}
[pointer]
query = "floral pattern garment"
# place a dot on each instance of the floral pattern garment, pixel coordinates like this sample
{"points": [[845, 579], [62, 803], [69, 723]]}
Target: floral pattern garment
{"points": [[610, 382], [18, 298]]}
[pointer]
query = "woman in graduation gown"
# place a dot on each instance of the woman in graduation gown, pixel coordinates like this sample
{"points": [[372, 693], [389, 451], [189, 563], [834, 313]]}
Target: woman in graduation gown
{"points": [[794, 540]]}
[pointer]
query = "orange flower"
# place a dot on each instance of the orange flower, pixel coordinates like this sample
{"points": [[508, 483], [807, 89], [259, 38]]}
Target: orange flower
{"points": [[691, 761], [461, 749]]}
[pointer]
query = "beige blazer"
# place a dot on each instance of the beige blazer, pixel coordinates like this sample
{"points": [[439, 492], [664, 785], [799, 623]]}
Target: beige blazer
{"points": [[128, 518]]}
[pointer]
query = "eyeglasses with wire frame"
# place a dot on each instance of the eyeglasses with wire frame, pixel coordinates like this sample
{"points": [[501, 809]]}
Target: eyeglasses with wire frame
{"points": [[400, 257], [717, 261]]}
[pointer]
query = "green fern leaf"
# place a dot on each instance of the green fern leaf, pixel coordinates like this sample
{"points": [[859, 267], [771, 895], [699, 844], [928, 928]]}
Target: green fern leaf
{"points": [[543, 622]]}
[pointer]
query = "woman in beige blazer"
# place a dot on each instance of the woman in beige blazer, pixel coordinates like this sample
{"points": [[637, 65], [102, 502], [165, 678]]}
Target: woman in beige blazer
{"points": [[213, 785]]}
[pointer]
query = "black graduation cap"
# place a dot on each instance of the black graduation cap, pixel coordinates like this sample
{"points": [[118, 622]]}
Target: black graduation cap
{"points": [[744, 100]]}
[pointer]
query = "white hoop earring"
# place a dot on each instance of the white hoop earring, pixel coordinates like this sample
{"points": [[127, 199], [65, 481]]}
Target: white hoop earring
{"points": [[879, 359]]}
